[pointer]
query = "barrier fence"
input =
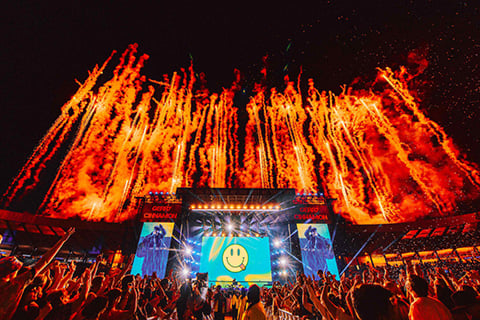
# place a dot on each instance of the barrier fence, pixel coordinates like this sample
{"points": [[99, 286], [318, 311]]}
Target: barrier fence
{"points": [[285, 315], [280, 314]]}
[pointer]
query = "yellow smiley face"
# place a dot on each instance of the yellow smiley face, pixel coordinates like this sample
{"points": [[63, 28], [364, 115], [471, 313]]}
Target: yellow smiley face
{"points": [[235, 258]]}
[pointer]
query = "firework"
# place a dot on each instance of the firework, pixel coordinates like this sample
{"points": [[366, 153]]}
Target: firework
{"points": [[375, 152]]}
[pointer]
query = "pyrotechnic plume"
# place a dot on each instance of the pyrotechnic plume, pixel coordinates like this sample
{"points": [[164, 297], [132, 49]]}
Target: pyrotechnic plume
{"points": [[375, 152]]}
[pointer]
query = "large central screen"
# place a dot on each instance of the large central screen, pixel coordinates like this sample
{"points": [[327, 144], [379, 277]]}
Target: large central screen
{"points": [[244, 259]]}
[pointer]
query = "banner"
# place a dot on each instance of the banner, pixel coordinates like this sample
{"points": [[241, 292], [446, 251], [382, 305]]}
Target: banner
{"points": [[160, 211], [311, 208]]}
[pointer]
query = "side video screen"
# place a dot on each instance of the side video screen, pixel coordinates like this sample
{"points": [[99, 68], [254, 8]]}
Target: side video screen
{"points": [[316, 247], [153, 248]]}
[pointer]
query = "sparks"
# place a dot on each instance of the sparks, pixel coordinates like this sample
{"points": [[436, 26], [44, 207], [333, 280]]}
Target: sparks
{"points": [[382, 161]]}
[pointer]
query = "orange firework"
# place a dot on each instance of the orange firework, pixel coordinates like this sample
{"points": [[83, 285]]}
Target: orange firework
{"points": [[375, 152]]}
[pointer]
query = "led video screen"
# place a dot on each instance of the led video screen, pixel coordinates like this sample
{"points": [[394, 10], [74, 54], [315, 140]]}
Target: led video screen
{"points": [[153, 248], [316, 248], [244, 259]]}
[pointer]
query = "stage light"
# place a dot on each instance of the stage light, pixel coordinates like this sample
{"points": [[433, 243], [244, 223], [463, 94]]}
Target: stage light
{"points": [[252, 207], [186, 272], [258, 207], [283, 261], [188, 251], [229, 227], [193, 207], [284, 273], [277, 243]]}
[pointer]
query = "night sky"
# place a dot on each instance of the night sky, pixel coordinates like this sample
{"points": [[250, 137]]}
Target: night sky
{"points": [[46, 46]]}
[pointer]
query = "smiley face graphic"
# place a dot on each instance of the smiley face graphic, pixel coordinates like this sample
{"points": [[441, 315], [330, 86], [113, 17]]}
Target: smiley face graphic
{"points": [[235, 258]]}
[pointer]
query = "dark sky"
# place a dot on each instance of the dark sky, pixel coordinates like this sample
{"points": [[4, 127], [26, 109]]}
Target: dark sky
{"points": [[47, 45]]}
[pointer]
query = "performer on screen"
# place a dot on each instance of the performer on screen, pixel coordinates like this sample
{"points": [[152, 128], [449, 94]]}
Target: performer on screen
{"points": [[317, 249], [152, 248]]}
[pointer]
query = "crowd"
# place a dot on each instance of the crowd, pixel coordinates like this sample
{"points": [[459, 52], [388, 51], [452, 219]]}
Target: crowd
{"points": [[49, 289], [421, 291]]}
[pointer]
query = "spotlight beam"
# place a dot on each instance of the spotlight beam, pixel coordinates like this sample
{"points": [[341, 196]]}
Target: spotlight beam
{"points": [[295, 258], [394, 241], [360, 250], [272, 197], [335, 229], [248, 197], [221, 196], [291, 235]]}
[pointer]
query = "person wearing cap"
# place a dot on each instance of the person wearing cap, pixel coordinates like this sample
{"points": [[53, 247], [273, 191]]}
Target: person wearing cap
{"points": [[152, 248], [13, 283], [317, 249]]}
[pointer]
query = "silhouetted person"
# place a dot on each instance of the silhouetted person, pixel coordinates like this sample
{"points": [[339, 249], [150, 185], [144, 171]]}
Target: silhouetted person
{"points": [[424, 307], [255, 310], [219, 304]]}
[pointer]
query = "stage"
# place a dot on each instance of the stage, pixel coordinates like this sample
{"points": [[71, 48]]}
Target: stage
{"points": [[235, 235]]}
